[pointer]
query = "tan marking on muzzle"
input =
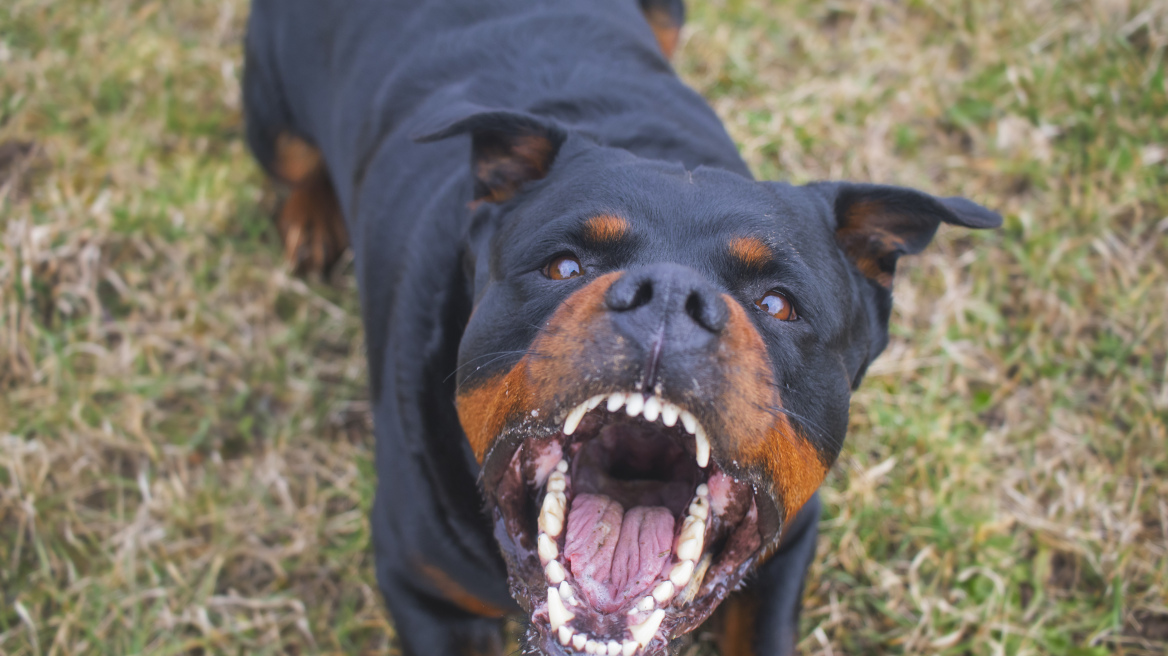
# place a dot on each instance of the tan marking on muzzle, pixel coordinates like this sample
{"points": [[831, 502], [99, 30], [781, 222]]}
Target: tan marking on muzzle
{"points": [[485, 409]]}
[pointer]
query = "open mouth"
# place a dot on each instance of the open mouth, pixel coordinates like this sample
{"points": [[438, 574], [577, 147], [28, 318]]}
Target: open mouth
{"points": [[624, 531]]}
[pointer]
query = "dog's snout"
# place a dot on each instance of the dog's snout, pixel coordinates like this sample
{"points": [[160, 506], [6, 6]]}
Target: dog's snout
{"points": [[668, 298]]}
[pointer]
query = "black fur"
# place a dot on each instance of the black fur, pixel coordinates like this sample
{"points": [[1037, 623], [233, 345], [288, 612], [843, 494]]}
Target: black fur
{"points": [[405, 99]]}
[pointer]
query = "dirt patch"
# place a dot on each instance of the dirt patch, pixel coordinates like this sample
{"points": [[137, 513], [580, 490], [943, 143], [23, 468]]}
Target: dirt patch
{"points": [[1149, 625], [16, 161]]}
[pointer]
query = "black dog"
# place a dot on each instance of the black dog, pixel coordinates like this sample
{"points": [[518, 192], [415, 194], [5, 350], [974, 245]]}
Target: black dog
{"points": [[581, 311]]}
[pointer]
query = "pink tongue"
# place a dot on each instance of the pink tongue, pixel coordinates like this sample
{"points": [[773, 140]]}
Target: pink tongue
{"points": [[615, 556]]}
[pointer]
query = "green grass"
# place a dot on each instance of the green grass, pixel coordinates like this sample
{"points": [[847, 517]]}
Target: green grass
{"points": [[185, 457]]}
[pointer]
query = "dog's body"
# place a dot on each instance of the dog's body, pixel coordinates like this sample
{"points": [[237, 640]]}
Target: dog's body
{"points": [[570, 91]]}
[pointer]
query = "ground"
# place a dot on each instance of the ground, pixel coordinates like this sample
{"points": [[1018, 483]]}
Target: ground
{"points": [[185, 457]]}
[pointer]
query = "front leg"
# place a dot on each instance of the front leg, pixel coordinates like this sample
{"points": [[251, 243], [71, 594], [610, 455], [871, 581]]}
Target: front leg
{"points": [[763, 619]]}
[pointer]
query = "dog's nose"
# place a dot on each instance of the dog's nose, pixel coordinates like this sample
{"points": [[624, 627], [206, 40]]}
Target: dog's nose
{"points": [[667, 305]]}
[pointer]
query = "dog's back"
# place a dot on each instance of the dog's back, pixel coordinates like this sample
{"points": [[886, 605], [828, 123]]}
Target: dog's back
{"points": [[347, 76]]}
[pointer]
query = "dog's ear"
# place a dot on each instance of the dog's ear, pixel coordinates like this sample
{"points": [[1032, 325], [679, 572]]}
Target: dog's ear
{"points": [[876, 224], [507, 149]]}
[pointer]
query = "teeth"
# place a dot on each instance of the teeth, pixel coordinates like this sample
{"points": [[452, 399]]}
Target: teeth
{"points": [[551, 516], [557, 482], [614, 648], [565, 635], [566, 591], [574, 418], [595, 647], [634, 404], [687, 595], [700, 508], [652, 408], [579, 640], [628, 648], [647, 604], [693, 531], [703, 447], [681, 573], [562, 467], [555, 573], [669, 413], [643, 633], [689, 549], [688, 420], [703, 490], [663, 592], [558, 615], [547, 548], [615, 401], [595, 401]]}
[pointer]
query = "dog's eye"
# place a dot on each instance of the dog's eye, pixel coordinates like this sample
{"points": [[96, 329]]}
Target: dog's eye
{"points": [[562, 268], [776, 304]]}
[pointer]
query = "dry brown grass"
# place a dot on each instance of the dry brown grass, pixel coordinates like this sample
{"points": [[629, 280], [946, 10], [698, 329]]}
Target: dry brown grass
{"points": [[184, 441]]}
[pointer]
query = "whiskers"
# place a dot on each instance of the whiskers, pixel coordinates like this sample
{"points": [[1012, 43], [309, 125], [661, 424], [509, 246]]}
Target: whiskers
{"points": [[808, 425]]}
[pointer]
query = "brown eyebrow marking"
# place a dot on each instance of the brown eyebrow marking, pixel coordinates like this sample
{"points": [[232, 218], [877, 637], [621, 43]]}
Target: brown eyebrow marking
{"points": [[606, 228], [751, 251]]}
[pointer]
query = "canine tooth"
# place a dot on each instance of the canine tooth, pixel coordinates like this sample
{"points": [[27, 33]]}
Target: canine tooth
{"points": [[574, 418], [688, 420], [615, 401], [700, 508], [643, 633], [562, 467], [614, 648], [702, 444], [595, 401], [652, 408], [579, 640], [547, 548], [634, 404], [687, 595], [565, 635], [555, 573], [681, 573], [669, 413], [647, 604], [663, 592], [551, 515], [628, 648], [703, 490], [558, 615]]}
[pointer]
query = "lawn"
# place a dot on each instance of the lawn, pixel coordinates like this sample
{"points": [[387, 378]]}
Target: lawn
{"points": [[185, 446]]}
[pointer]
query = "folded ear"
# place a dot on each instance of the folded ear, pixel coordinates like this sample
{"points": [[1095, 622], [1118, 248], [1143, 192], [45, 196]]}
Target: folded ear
{"points": [[507, 149], [876, 224]]}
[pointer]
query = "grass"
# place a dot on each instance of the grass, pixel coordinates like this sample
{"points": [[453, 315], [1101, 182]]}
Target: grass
{"points": [[185, 457]]}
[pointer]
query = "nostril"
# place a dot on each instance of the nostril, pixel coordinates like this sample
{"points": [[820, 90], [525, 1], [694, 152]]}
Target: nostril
{"points": [[630, 294], [709, 312], [644, 294]]}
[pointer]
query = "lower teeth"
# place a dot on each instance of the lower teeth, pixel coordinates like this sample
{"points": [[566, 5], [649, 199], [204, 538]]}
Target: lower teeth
{"points": [[683, 582]]}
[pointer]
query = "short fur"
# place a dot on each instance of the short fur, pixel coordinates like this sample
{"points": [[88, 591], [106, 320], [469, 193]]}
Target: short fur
{"points": [[469, 141]]}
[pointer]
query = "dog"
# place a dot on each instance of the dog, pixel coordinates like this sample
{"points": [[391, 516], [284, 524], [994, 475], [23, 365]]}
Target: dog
{"points": [[609, 369]]}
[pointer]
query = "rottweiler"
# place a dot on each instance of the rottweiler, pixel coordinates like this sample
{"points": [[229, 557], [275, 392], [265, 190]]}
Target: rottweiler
{"points": [[609, 369]]}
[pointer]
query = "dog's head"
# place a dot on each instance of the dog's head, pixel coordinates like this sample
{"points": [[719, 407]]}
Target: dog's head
{"points": [[657, 370]]}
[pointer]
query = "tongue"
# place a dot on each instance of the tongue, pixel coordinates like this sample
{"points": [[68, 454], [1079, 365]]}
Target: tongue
{"points": [[615, 555]]}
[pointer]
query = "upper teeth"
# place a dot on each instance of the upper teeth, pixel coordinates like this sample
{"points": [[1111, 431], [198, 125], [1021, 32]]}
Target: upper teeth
{"points": [[652, 408]]}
